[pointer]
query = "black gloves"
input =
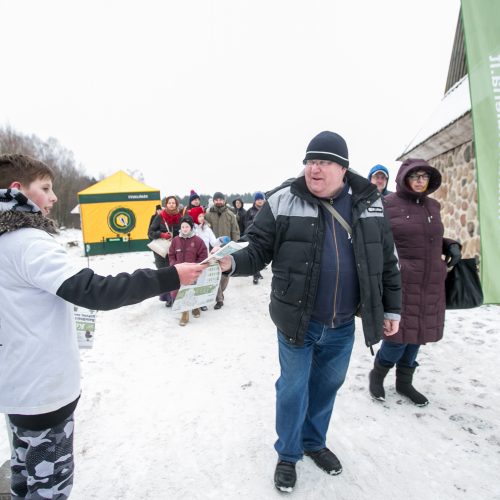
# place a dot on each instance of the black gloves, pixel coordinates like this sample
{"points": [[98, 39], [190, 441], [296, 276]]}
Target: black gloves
{"points": [[453, 254]]}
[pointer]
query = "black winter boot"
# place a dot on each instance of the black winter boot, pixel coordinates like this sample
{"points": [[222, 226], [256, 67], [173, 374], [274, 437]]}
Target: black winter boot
{"points": [[404, 377], [285, 476], [376, 377]]}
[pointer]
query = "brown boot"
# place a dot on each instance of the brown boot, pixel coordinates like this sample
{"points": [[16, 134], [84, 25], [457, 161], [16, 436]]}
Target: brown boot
{"points": [[184, 318], [196, 313]]}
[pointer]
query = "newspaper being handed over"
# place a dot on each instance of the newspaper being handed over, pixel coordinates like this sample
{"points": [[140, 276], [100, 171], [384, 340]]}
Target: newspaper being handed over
{"points": [[204, 291], [201, 293], [228, 249]]}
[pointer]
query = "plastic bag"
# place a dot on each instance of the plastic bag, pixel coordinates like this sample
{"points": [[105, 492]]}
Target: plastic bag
{"points": [[463, 287]]}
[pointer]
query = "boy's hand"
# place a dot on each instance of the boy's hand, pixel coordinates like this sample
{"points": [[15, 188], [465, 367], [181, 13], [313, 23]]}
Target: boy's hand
{"points": [[189, 273]]}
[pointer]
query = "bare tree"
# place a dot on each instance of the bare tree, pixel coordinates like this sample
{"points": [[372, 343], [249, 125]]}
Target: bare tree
{"points": [[70, 178]]}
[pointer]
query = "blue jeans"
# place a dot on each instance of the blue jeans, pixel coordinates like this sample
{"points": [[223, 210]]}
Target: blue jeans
{"points": [[392, 353], [310, 377]]}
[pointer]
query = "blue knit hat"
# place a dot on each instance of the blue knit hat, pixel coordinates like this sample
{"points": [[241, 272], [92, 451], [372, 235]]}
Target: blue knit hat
{"points": [[378, 168], [258, 196]]}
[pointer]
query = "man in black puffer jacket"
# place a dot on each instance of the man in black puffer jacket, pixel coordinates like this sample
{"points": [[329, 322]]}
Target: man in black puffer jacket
{"points": [[324, 271]]}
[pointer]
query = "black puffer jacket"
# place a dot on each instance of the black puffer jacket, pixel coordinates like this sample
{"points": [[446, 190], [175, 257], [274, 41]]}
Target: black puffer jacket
{"points": [[289, 231]]}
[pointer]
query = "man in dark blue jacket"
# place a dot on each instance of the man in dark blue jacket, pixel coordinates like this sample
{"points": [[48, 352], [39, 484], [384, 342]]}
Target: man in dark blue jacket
{"points": [[324, 271]]}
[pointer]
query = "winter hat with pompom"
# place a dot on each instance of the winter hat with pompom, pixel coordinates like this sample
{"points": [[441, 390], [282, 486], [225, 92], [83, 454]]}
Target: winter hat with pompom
{"points": [[193, 195]]}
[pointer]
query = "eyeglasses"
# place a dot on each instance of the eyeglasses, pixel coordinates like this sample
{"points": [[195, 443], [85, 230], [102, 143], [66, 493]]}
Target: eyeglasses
{"points": [[319, 163], [417, 177]]}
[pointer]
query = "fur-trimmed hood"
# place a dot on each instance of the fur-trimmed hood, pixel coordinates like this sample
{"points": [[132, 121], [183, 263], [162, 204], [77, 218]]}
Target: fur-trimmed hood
{"points": [[17, 212]]}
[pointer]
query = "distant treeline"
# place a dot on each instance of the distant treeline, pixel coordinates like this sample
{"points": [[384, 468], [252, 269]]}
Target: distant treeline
{"points": [[205, 198], [71, 178]]}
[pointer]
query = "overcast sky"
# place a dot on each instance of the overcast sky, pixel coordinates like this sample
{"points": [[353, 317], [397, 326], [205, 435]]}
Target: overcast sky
{"points": [[222, 95]]}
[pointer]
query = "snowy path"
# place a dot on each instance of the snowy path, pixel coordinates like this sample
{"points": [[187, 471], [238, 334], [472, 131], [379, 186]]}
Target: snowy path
{"points": [[176, 413]]}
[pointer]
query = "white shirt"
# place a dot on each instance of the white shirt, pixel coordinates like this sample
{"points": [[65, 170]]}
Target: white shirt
{"points": [[39, 358], [206, 234]]}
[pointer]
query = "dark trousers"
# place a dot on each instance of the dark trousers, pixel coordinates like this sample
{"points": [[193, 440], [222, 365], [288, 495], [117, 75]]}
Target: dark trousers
{"points": [[392, 353]]}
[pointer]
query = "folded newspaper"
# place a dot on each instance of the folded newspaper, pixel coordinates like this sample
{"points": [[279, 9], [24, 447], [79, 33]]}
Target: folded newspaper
{"points": [[204, 291], [85, 326], [228, 249]]}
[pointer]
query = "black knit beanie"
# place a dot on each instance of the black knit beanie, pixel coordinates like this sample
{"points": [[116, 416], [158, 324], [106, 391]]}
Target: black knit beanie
{"points": [[218, 194], [328, 146], [188, 220]]}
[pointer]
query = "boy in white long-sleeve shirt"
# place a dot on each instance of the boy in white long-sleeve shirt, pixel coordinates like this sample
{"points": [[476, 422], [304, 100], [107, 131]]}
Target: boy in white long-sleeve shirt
{"points": [[39, 359]]}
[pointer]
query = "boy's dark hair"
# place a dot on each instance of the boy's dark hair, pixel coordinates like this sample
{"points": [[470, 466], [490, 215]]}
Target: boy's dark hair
{"points": [[23, 169]]}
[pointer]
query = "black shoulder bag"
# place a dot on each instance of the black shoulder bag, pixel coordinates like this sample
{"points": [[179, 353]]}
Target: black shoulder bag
{"points": [[463, 287]]}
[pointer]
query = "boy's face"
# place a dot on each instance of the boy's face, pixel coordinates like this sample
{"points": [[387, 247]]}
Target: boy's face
{"points": [[185, 228], [39, 192]]}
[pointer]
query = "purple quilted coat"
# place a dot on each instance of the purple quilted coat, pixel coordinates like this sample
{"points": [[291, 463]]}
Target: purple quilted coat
{"points": [[418, 234]]}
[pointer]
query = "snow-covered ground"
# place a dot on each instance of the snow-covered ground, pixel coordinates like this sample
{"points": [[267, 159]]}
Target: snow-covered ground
{"points": [[174, 413]]}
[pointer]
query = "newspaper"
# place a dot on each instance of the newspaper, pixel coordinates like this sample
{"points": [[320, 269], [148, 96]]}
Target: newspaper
{"points": [[228, 249], [85, 326], [204, 291], [201, 293]]}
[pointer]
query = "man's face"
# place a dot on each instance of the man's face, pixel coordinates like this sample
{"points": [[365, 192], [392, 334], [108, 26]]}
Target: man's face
{"points": [[324, 178], [219, 202], [380, 180], [259, 203], [39, 192]]}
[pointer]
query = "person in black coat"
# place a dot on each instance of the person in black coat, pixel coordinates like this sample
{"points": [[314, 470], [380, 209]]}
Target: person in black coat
{"points": [[240, 213], [258, 201], [325, 270]]}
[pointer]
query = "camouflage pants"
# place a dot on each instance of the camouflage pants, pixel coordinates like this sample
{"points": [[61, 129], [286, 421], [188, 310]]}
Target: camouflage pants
{"points": [[42, 462]]}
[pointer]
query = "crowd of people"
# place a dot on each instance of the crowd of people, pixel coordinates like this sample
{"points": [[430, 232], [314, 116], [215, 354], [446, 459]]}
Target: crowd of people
{"points": [[211, 226], [340, 245]]}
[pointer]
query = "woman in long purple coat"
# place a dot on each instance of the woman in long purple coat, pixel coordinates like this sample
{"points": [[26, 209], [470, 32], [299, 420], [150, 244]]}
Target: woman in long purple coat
{"points": [[418, 234]]}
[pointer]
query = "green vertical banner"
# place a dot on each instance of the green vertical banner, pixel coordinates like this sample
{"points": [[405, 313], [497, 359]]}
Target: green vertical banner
{"points": [[481, 21]]}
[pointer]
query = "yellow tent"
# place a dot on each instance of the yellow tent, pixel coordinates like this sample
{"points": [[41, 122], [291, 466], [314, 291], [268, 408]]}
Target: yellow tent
{"points": [[115, 214]]}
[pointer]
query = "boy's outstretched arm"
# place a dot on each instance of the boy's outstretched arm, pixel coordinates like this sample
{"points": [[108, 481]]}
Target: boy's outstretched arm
{"points": [[93, 291]]}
